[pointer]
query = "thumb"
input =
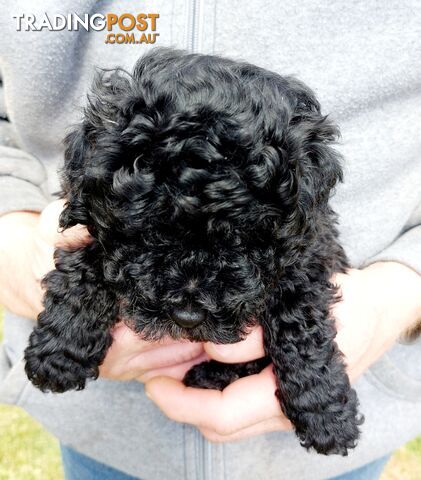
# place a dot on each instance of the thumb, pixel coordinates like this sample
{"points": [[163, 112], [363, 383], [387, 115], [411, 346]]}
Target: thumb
{"points": [[49, 228], [251, 348]]}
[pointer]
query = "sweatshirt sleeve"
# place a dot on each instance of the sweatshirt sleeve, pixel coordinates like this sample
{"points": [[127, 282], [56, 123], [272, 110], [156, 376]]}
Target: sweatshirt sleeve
{"points": [[406, 249], [21, 174]]}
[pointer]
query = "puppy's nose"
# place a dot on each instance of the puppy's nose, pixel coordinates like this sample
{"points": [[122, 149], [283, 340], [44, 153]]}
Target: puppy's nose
{"points": [[188, 317]]}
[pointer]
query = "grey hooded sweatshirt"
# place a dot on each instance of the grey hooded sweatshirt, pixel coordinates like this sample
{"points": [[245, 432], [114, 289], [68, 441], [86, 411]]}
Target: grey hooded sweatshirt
{"points": [[363, 59]]}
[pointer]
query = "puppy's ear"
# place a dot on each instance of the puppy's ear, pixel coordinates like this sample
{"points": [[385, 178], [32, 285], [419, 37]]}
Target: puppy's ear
{"points": [[85, 177], [77, 151], [316, 164]]}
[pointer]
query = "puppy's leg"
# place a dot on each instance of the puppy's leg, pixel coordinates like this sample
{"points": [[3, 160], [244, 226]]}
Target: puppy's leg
{"points": [[216, 375], [313, 387], [73, 332]]}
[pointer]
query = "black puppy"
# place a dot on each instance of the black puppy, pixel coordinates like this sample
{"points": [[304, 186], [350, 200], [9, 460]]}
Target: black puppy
{"points": [[205, 185]]}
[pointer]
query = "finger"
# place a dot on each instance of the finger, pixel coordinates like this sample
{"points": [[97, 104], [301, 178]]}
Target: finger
{"points": [[174, 371], [142, 368], [167, 356], [251, 348], [129, 356], [124, 338], [274, 424], [354, 374], [43, 262], [48, 221], [244, 403], [77, 236], [30, 304]]}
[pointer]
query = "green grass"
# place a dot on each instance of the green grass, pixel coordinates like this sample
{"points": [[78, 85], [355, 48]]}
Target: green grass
{"points": [[405, 463], [28, 452]]}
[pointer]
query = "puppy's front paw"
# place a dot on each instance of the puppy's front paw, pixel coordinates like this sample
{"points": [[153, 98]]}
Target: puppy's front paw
{"points": [[51, 368], [216, 375], [331, 432]]}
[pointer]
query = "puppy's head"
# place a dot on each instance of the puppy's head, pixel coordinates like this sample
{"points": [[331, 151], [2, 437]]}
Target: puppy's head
{"points": [[202, 179]]}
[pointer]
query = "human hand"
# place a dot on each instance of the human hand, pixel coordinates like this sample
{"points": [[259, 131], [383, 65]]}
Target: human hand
{"points": [[247, 407], [27, 243], [378, 304], [131, 358]]}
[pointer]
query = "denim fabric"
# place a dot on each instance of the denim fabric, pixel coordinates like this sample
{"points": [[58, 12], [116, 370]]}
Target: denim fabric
{"points": [[370, 471], [79, 467]]}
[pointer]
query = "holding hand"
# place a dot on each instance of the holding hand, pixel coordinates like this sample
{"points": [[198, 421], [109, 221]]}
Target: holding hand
{"points": [[130, 358], [378, 304], [27, 243]]}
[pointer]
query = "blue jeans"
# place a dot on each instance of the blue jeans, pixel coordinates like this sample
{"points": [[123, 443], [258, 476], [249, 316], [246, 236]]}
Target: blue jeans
{"points": [[79, 467], [369, 471]]}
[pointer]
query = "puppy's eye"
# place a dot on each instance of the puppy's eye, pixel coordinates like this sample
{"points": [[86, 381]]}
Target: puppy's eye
{"points": [[197, 162]]}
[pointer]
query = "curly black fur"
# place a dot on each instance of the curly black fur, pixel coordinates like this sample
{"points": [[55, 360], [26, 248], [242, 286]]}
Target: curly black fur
{"points": [[205, 185]]}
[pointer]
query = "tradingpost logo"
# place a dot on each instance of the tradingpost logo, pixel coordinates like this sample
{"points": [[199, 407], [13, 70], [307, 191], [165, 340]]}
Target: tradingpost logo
{"points": [[126, 28]]}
